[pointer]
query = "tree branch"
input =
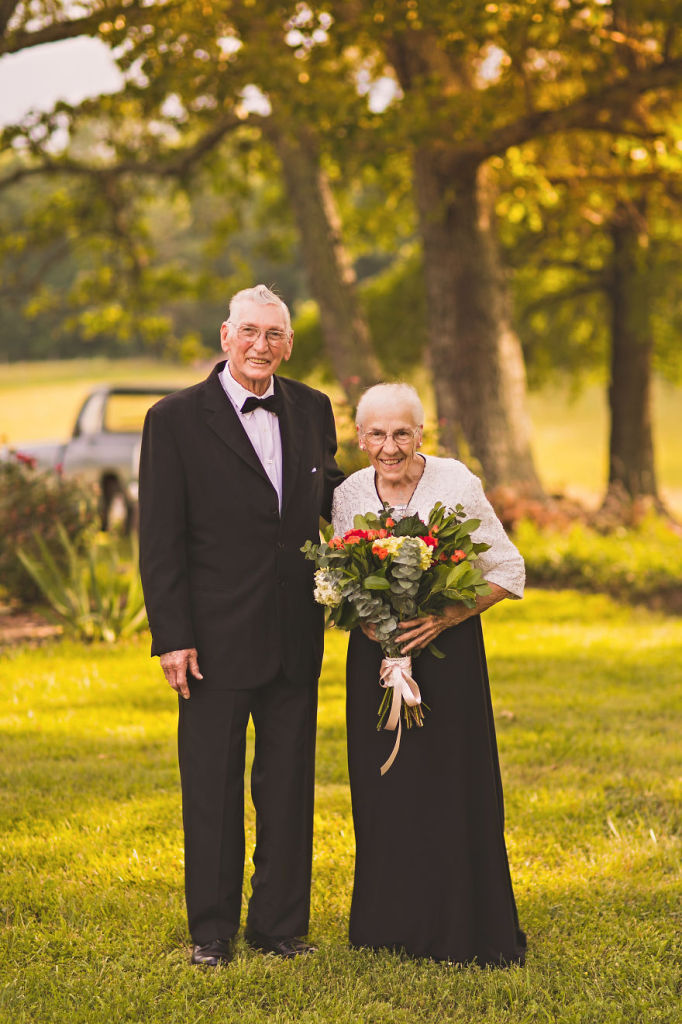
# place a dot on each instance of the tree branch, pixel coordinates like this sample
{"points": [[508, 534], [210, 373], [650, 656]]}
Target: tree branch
{"points": [[56, 31], [596, 111], [176, 165], [7, 9], [592, 287]]}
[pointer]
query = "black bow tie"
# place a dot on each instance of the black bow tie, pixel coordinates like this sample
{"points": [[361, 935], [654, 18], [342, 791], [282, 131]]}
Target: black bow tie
{"points": [[272, 403]]}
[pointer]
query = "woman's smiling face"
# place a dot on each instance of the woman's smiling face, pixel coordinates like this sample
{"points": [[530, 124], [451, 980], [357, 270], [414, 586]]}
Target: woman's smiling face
{"points": [[391, 437]]}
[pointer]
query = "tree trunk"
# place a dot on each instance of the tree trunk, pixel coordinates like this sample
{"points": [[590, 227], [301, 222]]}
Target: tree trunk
{"points": [[631, 449], [476, 358], [329, 270]]}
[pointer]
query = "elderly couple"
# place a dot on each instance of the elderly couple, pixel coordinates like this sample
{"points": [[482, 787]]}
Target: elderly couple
{"points": [[235, 473]]}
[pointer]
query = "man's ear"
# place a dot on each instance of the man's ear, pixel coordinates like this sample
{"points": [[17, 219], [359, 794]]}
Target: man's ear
{"points": [[224, 336], [287, 354]]}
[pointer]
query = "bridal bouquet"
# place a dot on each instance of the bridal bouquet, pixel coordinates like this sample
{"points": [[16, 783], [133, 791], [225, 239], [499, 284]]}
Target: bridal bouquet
{"points": [[385, 571]]}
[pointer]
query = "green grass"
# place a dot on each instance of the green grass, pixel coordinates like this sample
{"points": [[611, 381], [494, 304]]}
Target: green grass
{"points": [[588, 700], [39, 401]]}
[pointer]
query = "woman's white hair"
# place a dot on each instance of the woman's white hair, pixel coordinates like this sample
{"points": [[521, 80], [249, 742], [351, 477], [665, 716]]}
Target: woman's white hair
{"points": [[262, 296], [397, 393]]}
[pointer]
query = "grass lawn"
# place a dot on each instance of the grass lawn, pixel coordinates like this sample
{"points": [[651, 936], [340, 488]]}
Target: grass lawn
{"points": [[588, 700], [39, 401]]}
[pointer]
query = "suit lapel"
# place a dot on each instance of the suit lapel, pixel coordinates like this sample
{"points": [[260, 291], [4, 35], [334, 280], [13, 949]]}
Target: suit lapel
{"points": [[223, 421], [291, 428]]}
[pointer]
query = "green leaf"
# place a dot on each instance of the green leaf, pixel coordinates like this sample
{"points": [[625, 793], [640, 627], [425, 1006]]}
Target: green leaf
{"points": [[376, 583], [410, 526]]}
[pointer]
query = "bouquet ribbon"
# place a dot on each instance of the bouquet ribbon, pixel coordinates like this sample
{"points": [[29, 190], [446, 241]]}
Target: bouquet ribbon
{"points": [[395, 672]]}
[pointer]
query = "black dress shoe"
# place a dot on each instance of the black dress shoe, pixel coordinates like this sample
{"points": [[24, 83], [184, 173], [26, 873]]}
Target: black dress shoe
{"points": [[219, 951], [286, 948]]}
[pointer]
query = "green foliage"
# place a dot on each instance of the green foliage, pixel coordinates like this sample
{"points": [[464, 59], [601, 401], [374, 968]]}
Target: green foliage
{"points": [[93, 916], [634, 564], [98, 596], [35, 501]]}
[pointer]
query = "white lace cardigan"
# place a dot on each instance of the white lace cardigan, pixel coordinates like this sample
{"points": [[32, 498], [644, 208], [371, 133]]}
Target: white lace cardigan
{"points": [[452, 483]]}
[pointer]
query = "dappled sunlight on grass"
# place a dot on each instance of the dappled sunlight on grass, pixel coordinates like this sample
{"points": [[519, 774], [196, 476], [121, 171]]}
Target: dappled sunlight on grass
{"points": [[587, 695]]}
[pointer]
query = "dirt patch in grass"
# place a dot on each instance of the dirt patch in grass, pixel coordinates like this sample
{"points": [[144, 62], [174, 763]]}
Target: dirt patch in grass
{"points": [[25, 627]]}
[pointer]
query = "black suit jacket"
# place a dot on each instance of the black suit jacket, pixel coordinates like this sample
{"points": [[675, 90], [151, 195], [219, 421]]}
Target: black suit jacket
{"points": [[222, 570]]}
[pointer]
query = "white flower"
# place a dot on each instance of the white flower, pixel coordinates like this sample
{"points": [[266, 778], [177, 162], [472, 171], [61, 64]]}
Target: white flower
{"points": [[328, 587]]}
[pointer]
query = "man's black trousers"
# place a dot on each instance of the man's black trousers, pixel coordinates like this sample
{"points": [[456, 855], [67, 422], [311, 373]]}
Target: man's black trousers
{"points": [[212, 746]]}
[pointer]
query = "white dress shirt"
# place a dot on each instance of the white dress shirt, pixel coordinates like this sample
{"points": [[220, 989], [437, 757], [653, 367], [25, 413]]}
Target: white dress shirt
{"points": [[261, 426]]}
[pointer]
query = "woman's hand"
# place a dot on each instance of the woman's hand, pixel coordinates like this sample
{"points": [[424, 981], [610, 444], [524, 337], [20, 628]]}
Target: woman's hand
{"points": [[420, 632], [369, 631]]}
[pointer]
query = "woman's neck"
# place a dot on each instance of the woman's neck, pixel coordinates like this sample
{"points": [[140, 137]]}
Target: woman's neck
{"points": [[399, 492]]}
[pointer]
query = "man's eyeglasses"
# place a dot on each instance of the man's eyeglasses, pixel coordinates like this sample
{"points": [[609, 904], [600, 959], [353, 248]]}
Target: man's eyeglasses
{"points": [[377, 438], [250, 333]]}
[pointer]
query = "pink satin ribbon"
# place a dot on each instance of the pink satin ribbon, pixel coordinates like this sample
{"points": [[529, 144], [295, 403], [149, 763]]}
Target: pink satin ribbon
{"points": [[395, 672]]}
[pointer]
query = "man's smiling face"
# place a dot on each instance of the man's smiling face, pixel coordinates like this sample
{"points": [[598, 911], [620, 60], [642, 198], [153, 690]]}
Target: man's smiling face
{"points": [[256, 340]]}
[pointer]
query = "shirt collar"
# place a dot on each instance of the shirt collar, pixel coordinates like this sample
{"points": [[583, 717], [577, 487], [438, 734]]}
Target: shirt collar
{"points": [[238, 394]]}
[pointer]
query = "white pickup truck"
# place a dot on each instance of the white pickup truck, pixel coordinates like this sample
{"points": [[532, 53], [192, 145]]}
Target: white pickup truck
{"points": [[104, 448]]}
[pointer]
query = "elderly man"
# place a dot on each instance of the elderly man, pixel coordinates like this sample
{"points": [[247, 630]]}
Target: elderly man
{"points": [[234, 475]]}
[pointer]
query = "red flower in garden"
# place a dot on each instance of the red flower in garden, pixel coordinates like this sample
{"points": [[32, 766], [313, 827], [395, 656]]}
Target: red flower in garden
{"points": [[431, 541], [27, 460]]}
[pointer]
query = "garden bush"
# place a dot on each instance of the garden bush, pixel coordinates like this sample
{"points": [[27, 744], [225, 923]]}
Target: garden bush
{"points": [[99, 595], [33, 501], [637, 563]]}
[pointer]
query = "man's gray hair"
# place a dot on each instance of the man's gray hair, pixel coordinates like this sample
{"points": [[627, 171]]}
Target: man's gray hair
{"points": [[262, 296], [397, 393]]}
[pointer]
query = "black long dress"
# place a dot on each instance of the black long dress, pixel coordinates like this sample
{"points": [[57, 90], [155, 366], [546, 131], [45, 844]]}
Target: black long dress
{"points": [[431, 870]]}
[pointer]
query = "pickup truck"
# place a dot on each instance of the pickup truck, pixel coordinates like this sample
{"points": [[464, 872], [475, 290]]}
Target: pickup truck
{"points": [[104, 449]]}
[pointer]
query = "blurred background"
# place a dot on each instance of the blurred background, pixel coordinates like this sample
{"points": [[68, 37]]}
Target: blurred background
{"points": [[483, 199]]}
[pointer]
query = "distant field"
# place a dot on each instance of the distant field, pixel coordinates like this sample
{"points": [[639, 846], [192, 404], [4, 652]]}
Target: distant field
{"points": [[39, 401]]}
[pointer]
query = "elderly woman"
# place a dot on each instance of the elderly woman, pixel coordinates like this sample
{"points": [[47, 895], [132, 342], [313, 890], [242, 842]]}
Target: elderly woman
{"points": [[431, 870]]}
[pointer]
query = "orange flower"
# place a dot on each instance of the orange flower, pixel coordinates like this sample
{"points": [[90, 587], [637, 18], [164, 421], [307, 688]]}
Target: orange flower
{"points": [[390, 522], [458, 556], [381, 553]]}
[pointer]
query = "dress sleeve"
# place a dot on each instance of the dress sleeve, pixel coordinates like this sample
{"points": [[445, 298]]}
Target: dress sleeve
{"points": [[342, 515], [502, 563]]}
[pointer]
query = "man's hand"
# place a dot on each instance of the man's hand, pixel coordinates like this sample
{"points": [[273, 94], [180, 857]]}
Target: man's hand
{"points": [[175, 665]]}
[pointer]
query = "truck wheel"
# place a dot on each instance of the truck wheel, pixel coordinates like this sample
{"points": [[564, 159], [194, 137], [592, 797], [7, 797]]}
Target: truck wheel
{"points": [[116, 513]]}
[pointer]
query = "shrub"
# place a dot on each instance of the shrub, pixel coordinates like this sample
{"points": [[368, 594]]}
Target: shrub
{"points": [[32, 502], [635, 563], [99, 595]]}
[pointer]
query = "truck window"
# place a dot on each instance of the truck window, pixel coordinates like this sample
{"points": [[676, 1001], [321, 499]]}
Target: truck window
{"points": [[90, 419], [125, 414]]}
